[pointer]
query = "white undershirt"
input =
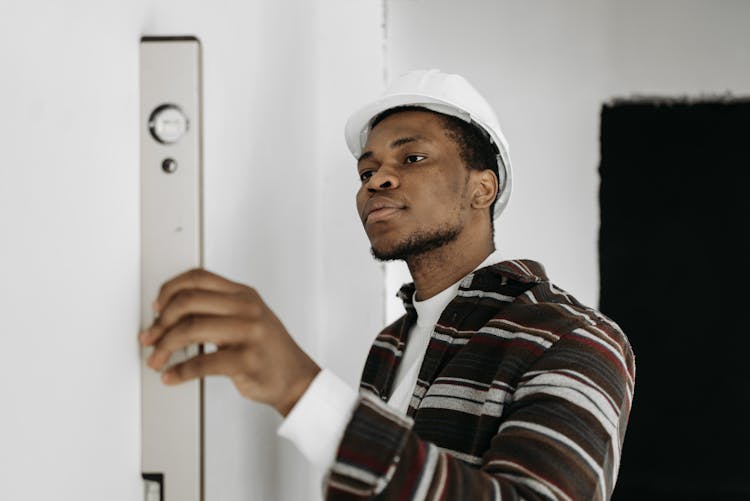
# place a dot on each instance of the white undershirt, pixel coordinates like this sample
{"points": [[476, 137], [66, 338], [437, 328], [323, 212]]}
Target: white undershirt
{"points": [[428, 313], [317, 422]]}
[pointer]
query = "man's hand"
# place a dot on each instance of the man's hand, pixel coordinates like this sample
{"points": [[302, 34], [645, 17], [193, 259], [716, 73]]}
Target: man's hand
{"points": [[254, 349]]}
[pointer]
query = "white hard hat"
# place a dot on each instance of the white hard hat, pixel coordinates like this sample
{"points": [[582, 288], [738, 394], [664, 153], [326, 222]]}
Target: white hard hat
{"points": [[444, 93]]}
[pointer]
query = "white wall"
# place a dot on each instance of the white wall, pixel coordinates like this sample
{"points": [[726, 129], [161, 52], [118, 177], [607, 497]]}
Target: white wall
{"points": [[548, 66], [69, 259], [280, 78]]}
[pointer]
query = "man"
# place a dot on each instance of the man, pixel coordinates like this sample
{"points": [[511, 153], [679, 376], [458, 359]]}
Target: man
{"points": [[494, 384]]}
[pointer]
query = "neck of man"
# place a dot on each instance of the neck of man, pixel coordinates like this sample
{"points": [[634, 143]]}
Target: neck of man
{"points": [[436, 270]]}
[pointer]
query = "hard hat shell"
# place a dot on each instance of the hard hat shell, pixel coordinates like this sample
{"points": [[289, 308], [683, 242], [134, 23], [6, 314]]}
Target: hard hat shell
{"points": [[445, 93]]}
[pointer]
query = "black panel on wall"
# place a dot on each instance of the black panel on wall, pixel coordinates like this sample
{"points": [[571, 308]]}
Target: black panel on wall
{"points": [[675, 211]]}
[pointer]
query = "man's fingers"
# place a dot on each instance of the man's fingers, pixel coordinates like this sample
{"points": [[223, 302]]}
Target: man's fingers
{"points": [[194, 279], [222, 362], [199, 329], [193, 302], [203, 302]]}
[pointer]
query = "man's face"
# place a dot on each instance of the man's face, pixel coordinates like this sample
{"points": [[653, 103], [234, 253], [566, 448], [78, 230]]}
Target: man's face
{"points": [[414, 195]]}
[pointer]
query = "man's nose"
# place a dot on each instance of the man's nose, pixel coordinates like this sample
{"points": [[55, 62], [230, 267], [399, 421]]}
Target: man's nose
{"points": [[385, 178]]}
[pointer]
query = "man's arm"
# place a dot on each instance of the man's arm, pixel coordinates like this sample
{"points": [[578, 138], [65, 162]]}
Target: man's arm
{"points": [[560, 438]]}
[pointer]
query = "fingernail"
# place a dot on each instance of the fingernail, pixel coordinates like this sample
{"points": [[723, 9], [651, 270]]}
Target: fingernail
{"points": [[152, 361], [167, 377]]}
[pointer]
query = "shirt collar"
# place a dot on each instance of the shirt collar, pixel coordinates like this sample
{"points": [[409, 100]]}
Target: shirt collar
{"points": [[441, 299], [519, 270]]}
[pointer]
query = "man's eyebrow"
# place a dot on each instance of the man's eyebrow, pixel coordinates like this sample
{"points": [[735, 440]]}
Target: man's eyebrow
{"points": [[364, 156], [394, 144], [405, 140]]}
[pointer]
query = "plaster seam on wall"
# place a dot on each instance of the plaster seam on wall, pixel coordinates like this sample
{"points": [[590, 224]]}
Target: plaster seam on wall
{"points": [[384, 36], [384, 14]]}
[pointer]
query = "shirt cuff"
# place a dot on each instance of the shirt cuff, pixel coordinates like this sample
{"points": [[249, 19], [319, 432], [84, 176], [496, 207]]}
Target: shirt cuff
{"points": [[317, 422]]}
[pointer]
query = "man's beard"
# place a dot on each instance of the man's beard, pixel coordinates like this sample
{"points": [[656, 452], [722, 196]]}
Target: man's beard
{"points": [[418, 244]]}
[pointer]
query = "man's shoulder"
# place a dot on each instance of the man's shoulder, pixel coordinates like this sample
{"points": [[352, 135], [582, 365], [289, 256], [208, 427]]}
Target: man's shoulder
{"points": [[524, 295], [514, 304]]}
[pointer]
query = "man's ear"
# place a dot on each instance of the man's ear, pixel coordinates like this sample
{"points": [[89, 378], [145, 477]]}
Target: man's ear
{"points": [[485, 188]]}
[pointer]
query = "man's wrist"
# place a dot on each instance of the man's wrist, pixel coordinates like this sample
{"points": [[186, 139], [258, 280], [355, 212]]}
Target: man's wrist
{"points": [[296, 390]]}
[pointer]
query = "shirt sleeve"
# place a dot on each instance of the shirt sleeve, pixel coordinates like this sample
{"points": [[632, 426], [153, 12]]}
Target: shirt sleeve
{"points": [[317, 422], [560, 439]]}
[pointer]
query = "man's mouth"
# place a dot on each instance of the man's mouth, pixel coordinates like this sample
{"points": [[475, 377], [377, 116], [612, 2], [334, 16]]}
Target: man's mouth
{"points": [[381, 214], [380, 208]]}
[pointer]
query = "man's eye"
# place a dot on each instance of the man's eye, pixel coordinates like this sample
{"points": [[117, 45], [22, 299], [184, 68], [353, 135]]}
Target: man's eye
{"points": [[365, 175], [410, 159]]}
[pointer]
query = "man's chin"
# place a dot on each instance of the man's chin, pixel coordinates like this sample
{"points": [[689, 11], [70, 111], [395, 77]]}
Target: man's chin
{"points": [[386, 251], [417, 244], [384, 256]]}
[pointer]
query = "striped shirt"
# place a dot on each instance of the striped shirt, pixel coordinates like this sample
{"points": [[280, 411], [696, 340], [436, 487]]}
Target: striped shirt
{"points": [[523, 393]]}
